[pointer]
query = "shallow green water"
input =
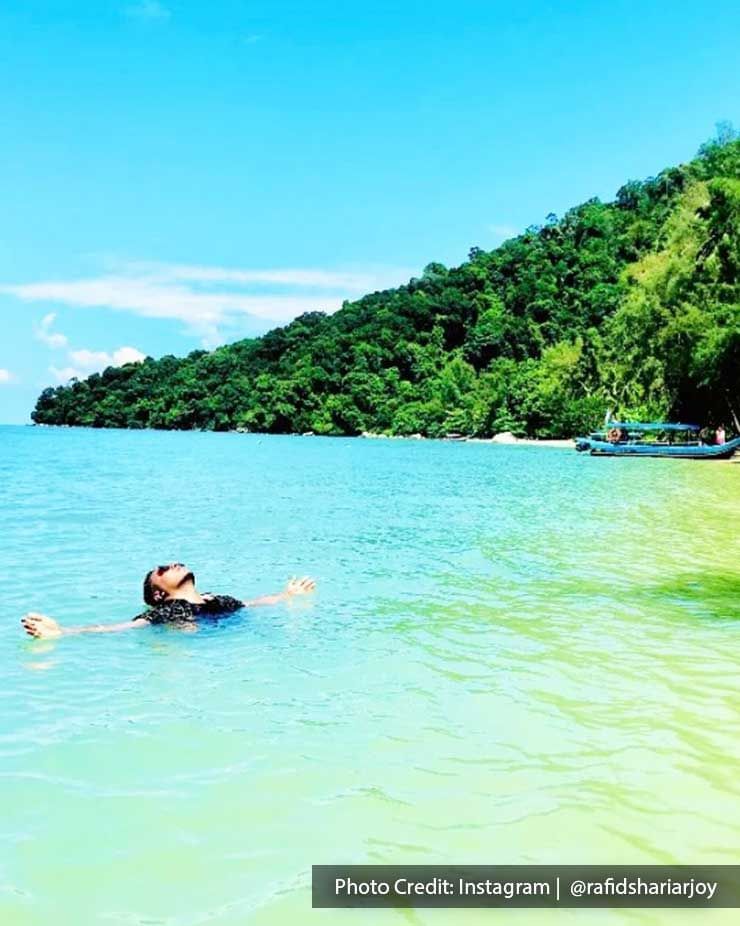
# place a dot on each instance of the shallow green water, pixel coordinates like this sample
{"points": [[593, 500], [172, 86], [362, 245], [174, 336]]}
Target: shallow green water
{"points": [[517, 655]]}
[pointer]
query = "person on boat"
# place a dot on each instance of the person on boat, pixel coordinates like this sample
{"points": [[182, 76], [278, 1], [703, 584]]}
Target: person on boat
{"points": [[720, 437], [173, 598]]}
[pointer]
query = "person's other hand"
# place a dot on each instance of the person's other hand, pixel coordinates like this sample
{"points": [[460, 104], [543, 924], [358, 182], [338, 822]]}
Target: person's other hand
{"points": [[41, 626], [300, 586]]}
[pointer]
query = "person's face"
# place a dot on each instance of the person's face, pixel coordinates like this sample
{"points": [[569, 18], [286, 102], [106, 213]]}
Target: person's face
{"points": [[170, 577]]}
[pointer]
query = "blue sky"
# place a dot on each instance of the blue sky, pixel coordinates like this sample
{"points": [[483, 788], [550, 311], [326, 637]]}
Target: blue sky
{"points": [[178, 174]]}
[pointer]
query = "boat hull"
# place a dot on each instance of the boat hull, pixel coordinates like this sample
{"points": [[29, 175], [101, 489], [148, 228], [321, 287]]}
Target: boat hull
{"points": [[675, 451]]}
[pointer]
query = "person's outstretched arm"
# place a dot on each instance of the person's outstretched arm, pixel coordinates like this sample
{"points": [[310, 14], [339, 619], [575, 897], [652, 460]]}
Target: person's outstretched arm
{"points": [[294, 587], [43, 627]]}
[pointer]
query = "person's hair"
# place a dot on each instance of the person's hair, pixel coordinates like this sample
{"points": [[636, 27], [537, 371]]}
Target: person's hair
{"points": [[149, 590]]}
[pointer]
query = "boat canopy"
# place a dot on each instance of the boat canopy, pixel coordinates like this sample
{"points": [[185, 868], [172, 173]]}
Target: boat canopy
{"points": [[653, 426]]}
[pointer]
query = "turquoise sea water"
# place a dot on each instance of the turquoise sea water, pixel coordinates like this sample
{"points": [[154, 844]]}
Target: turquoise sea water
{"points": [[516, 655]]}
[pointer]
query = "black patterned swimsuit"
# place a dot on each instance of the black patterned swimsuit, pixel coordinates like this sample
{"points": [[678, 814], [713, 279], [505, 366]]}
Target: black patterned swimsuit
{"points": [[179, 611]]}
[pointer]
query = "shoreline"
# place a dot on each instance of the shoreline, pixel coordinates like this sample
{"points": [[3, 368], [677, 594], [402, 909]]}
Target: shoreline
{"points": [[563, 443], [505, 439]]}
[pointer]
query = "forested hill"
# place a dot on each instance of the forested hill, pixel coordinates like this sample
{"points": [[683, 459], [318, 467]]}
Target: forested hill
{"points": [[632, 305]]}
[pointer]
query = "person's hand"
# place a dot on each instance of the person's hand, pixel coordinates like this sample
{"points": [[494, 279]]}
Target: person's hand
{"points": [[300, 586], [41, 626]]}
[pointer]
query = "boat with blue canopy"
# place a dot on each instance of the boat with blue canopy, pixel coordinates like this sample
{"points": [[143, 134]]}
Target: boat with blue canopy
{"points": [[654, 439]]}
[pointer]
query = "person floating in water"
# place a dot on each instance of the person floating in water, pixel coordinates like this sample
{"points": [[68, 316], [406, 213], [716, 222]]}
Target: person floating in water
{"points": [[173, 598]]}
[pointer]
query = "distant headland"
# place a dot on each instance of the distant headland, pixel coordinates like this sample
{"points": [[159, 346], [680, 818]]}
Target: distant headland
{"points": [[632, 305]]}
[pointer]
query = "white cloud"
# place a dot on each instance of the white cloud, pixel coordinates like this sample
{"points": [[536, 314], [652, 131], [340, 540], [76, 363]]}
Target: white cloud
{"points": [[85, 361], [127, 355], [205, 297], [93, 361], [149, 10], [156, 300], [44, 333], [64, 374], [5, 376], [350, 281], [502, 232], [88, 358]]}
